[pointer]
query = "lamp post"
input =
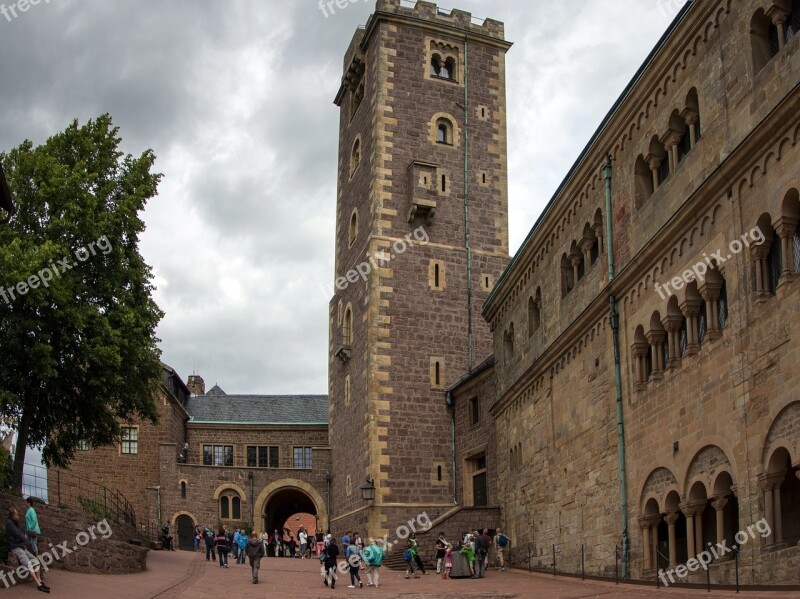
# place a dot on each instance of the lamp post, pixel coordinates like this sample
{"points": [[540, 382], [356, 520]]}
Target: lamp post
{"points": [[368, 490]]}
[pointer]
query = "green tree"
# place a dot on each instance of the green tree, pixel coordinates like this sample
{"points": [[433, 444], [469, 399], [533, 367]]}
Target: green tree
{"points": [[79, 351]]}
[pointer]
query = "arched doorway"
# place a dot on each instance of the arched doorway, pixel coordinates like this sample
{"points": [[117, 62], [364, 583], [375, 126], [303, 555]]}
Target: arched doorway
{"points": [[185, 531], [285, 504]]}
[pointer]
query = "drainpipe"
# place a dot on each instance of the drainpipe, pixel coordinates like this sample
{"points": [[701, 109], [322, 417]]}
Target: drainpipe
{"points": [[623, 487], [158, 506], [451, 404], [466, 212], [252, 508]]}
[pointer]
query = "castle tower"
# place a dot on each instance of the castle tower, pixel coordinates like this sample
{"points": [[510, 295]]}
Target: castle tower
{"points": [[421, 237]]}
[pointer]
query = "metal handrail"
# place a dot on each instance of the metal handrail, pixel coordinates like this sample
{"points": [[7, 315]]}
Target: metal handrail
{"points": [[65, 489]]}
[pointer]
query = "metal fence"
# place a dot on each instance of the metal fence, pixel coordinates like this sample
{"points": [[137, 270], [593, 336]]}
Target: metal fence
{"points": [[65, 489], [568, 560]]}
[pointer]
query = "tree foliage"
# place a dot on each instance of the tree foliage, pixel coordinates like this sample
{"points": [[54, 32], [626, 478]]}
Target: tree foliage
{"points": [[79, 353]]}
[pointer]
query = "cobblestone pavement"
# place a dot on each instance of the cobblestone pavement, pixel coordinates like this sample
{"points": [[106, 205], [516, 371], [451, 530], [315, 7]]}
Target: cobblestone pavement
{"points": [[186, 575]]}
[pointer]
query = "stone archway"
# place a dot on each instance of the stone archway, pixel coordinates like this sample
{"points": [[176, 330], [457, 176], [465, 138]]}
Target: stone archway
{"points": [[288, 496], [183, 524]]}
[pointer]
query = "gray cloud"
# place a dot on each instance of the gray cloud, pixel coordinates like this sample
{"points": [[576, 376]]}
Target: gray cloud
{"points": [[235, 99]]}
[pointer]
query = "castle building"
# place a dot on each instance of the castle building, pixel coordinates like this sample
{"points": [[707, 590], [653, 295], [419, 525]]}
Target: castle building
{"points": [[672, 243], [624, 388], [422, 215]]}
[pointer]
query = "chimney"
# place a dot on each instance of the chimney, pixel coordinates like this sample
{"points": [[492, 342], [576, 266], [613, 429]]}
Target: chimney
{"points": [[196, 384]]}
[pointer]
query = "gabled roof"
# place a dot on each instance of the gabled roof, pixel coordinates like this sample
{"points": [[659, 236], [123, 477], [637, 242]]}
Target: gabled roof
{"points": [[218, 408]]}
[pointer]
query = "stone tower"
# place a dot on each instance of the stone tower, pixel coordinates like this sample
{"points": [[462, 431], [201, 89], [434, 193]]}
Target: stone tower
{"points": [[421, 237]]}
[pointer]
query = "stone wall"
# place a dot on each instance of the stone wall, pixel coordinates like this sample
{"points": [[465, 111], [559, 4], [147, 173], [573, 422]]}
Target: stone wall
{"points": [[709, 443], [112, 555]]}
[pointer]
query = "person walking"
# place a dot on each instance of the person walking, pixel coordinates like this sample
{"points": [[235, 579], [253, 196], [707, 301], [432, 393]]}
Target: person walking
{"points": [[208, 539], [32, 530], [501, 543], [354, 557], [408, 558], [197, 537], [18, 545], [441, 546], [319, 539], [242, 546], [373, 556], [221, 541], [255, 551], [234, 544], [276, 543], [330, 563], [468, 549], [481, 553], [303, 536]]}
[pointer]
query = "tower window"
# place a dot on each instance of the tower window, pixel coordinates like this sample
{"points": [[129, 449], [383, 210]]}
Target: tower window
{"points": [[444, 183], [437, 374], [347, 327], [483, 176], [353, 230], [442, 136], [439, 473], [183, 489], [435, 275], [355, 156]]}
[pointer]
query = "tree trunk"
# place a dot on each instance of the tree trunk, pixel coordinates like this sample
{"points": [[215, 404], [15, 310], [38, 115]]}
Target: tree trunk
{"points": [[22, 444]]}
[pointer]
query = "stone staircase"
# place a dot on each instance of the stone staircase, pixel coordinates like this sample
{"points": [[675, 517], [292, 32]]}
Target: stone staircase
{"points": [[453, 523]]}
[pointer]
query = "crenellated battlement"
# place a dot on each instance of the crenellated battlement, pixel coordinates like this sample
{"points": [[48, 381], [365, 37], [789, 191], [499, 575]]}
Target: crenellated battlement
{"points": [[430, 11]]}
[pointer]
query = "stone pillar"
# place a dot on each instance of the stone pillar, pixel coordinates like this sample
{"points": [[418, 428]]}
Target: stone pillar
{"points": [[786, 226], [691, 310], [656, 341], [648, 562], [776, 496], [766, 486], [597, 228], [639, 350], [670, 519], [698, 532], [575, 260], [586, 247], [778, 17], [673, 324], [691, 117], [655, 163], [759, 255], [710, 293], [719, 505]]}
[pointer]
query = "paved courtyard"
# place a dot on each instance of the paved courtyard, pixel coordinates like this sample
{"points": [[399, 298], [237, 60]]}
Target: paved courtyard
{"points": [[186, 575]]}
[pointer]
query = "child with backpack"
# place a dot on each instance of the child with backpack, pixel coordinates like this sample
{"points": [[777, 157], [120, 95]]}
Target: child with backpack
{"points": [[373, 556]]}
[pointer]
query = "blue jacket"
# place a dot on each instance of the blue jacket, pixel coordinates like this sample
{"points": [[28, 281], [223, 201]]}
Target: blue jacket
{"points": [[241, 541]]}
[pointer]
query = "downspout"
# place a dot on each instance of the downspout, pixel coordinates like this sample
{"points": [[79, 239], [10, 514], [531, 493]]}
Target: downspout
{"points": [[623, 487], [158, 506], [451, 404], [466, 214]]}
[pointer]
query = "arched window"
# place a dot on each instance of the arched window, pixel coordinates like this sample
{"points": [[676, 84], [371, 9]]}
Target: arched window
{"points": [[437, 374], [793, 22], [644, 180], [236, 508], [183, 489], [347, 327], [449, 70], [353, 229], [763, 40], [722, 306], [224, 507], [534, 312], [355, 156], [508, 342], [567, 281], [436, 65], [436, 275]]}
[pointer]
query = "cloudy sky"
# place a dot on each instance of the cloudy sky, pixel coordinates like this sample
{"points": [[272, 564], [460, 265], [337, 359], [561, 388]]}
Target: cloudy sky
{"points": [[235, 99]]}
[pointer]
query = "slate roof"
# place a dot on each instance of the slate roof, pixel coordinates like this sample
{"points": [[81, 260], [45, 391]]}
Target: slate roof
{"points": [[257, 409]]}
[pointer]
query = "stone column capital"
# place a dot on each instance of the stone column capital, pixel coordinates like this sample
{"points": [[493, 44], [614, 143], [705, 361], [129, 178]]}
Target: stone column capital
{"points": [[654, 161], [650, 521], [691, 307], [673, 323], [693, 508], [671, 518], [575, 259], [656, 337], [690, 115], [770, 481], [777, 14], [671, 138], [710, 290], [640, 348], [719, 503], [785, 226], [587, 243]]}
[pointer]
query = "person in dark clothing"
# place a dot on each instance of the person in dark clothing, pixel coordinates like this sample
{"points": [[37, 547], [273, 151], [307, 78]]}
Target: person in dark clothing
{"points": [[255, 551], [208, 538], [481, 553], [18, 545], [413, 544], [332, 553], [221, 541]]}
